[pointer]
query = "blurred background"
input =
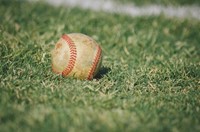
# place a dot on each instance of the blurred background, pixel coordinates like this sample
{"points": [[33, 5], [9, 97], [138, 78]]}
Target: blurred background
{"points": [[177, 8]]}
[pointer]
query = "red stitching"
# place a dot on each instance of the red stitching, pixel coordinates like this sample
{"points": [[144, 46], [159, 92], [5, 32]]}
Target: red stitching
{"points": [[95, 63], [73, 55]]}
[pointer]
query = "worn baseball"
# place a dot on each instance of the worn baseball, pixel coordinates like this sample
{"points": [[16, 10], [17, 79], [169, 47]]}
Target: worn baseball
{"points": [[76, 55]]}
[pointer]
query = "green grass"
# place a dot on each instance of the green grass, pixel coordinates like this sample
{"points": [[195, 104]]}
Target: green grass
{"points": [[162, 2], [152, 83]]}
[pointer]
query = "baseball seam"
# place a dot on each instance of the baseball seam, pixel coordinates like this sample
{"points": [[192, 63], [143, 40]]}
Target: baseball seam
{"points": [[73, 55], [95, 63]]}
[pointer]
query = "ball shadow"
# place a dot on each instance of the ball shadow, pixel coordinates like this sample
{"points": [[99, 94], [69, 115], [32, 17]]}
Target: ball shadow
{"points": [[102, 72]]}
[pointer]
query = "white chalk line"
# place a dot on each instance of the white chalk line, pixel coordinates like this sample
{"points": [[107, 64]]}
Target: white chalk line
{"points": [[130, 9]]}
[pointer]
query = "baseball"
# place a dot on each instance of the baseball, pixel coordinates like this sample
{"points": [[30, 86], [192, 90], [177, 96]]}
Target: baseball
{"points": [[76, 55]]}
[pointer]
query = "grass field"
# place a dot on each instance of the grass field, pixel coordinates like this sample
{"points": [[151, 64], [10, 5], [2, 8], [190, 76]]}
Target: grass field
{"points": [[150, 79]]}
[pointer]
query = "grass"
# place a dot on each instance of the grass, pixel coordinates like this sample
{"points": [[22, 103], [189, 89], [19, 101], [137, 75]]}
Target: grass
{"points": [[151, 84]]}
